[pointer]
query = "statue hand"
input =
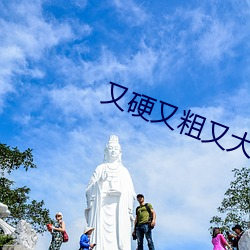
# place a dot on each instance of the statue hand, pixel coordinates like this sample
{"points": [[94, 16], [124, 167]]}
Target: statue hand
{"points": [[104, 176]]}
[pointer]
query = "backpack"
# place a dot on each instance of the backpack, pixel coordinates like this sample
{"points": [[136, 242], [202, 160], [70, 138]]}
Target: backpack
{"points": [[149, 212]]}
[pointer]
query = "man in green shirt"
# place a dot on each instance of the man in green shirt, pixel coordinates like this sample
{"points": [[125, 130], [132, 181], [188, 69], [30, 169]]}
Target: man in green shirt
{"points": [[144, 223]]}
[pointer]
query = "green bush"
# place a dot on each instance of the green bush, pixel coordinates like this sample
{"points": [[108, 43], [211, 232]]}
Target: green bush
{"points": [[6, 240]]}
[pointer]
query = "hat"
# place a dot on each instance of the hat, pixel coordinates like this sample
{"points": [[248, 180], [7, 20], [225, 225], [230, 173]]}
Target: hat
{"points": [[87, 229], [59, 213], [237, 227]]}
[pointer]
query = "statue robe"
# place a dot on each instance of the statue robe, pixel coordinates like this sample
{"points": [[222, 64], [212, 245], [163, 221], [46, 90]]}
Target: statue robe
{"points": [[110, 197]]}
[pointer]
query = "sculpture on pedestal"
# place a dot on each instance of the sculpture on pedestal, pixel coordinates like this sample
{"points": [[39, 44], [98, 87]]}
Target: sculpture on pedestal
{"points": [[110, 198], [24, 236]]}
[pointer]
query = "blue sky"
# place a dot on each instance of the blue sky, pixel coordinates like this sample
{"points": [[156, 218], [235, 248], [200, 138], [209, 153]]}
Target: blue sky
{"points": [[56, 62]]}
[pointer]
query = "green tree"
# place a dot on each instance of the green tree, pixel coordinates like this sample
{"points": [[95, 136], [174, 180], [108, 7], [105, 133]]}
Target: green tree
{"points": [[235, 207], [17, 199]]}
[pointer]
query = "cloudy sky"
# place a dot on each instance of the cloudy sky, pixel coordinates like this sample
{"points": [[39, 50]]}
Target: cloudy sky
{"points": [[57, 60]]}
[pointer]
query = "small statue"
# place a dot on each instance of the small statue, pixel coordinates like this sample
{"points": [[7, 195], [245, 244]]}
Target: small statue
{"points": [[23, 234]]}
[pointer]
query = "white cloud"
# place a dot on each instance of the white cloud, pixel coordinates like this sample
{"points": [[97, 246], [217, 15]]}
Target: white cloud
{"points": [[198, 20], [79, 101], [108, 67], [143, 63], [26, 39], [202, 34], [239, 101], [80, 3], [32, 33], [217, 42], [131, 12]]}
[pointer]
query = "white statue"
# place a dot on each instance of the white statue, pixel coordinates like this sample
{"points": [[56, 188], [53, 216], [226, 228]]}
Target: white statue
{"points": [[110, 198], [25, 235], [4, 212], [244, 242]]}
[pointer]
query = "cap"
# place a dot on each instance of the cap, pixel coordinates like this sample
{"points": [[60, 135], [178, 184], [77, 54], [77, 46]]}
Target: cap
{"points": [[237, 227], [140, 195]]}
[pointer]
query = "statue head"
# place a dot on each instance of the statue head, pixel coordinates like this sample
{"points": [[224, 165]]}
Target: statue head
{"points": [[113, 150], [4, 211]]}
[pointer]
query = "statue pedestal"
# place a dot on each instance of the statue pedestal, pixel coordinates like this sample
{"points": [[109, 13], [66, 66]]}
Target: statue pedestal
{"points": [[13, 247]]}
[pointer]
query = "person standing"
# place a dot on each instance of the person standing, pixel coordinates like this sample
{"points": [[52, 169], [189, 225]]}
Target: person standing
{"points": [[218, 240], [85, 239], [143, 225], [56, 231], [239, 231]]}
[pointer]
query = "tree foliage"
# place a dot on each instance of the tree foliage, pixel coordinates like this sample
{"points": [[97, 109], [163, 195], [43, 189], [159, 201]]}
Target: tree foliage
{"points": [[17, 199], [235, 206], [6, 239], [12, 159]]}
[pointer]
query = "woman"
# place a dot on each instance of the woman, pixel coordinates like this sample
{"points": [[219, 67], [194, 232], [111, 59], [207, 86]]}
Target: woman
{"points": [[56, 231], [84, 240], [218, 240]]}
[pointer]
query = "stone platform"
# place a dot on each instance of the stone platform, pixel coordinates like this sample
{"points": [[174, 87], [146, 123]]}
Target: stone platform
{"points": [[13, 247]]}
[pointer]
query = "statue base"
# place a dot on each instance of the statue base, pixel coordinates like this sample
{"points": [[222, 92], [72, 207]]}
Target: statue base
{"points": [[12, 247]]}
